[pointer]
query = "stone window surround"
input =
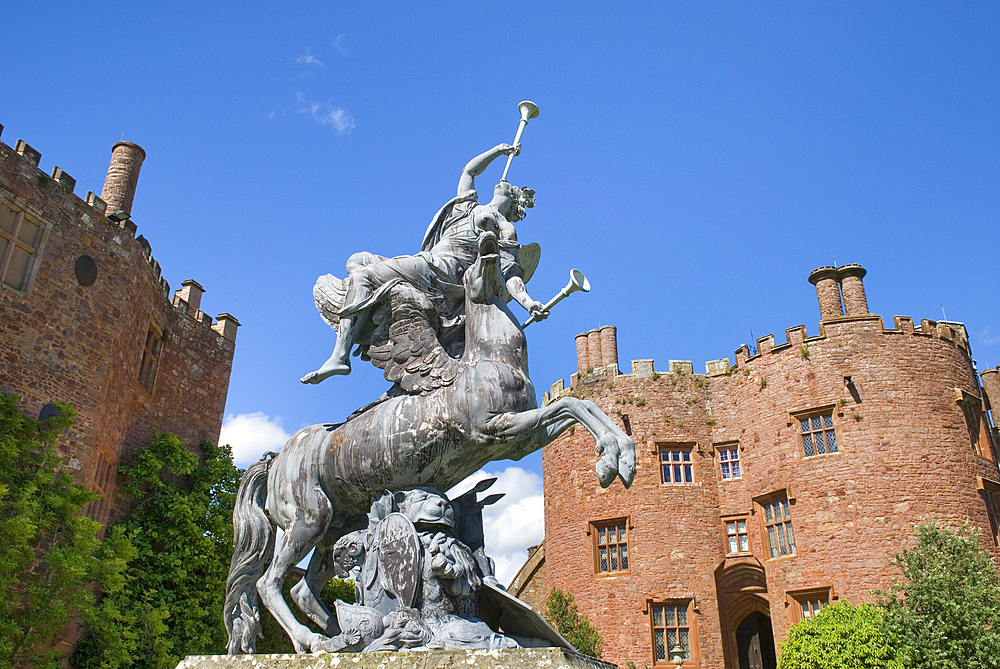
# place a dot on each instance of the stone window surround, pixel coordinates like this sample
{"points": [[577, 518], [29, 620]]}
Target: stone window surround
{"points": [[104, 476], [972, 407], [658, 447], [795, 599], [21, 211], [665, 600], [990, 492], [735, 518], [592, 531], [768, 498], [797, 415], [719, 446], [157, 332]]}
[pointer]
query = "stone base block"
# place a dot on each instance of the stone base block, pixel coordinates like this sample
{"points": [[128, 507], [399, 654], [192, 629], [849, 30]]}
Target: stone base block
{"points": [[520, 658]]}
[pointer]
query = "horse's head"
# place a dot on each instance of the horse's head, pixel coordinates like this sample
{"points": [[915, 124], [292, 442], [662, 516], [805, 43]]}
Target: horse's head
{"points": [[483, 280]]}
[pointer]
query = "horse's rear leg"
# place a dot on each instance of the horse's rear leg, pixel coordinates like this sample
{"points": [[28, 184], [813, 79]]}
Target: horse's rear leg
{"points": [[296, 543], [306, 592]]}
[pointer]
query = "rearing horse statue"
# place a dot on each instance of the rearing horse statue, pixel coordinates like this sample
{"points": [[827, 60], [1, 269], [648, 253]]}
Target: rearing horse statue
{"points": [[323, 481]]}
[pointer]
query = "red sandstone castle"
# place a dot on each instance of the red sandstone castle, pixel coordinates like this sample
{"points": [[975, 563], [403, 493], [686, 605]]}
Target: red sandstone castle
{"points": [[86, 318], [768, 489]]}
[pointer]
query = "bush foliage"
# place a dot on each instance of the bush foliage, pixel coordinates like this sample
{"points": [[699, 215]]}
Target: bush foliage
{"points": [[945, 610], [50, 555], [841, 636], [562, 614]]}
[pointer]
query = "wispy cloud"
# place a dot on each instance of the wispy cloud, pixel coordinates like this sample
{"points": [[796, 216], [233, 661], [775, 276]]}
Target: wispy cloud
{"points": [[308, 59], [988, 338], [338, 44], [325, 113], [513, 524], [251, 434]]}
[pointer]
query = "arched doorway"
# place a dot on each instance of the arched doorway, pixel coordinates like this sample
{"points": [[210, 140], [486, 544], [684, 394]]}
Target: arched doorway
{"points": [[755, 642]]}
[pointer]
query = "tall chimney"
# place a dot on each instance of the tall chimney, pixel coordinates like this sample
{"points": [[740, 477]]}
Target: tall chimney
{"points": [[123, 175], [594, 348], [609, 346], [582, 359], [855, 302], [828, 291]]}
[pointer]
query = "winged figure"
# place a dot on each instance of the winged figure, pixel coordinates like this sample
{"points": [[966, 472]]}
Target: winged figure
{"points": [[406, 314]]}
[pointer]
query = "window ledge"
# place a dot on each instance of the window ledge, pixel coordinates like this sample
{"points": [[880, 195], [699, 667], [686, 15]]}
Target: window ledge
{"points": [[782, 557]]}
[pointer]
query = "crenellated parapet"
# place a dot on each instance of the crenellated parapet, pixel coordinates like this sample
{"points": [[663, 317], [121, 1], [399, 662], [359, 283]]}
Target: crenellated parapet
{"points": [[26, 185]]}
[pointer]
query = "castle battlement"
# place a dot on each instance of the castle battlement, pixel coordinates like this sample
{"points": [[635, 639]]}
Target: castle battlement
{"points": [[107, 214], [843, 310]]}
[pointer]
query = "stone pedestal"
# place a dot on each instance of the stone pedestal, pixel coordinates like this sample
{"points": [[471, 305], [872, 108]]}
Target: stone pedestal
{"points": [[520, 658]]}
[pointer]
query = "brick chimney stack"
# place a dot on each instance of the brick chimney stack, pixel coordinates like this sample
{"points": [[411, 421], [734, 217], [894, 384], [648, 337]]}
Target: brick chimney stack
{"points": [[597, 348], [855, 302], [123, 175], [582, 356], [827, 291]]}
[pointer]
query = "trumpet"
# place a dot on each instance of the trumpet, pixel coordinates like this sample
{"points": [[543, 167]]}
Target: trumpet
{"points": [[577, 282], [528, 110]]}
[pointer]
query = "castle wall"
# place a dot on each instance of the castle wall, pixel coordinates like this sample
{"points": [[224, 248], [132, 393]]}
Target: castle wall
{"points": [[913, 446], [76, 330]]}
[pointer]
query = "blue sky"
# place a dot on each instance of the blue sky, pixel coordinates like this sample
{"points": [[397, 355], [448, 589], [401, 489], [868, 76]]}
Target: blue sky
{"points": [[694, 160]]}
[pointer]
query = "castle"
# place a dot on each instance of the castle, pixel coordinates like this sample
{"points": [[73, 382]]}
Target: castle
{"points": [[88, 320], [767, 489]]}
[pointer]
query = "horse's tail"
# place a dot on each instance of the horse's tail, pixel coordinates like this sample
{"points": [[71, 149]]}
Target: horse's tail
{"points": [[253, 548]]}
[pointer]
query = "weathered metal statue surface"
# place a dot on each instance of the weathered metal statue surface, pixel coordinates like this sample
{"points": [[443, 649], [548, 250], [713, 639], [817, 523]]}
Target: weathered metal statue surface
{"points": [[439, 326]]}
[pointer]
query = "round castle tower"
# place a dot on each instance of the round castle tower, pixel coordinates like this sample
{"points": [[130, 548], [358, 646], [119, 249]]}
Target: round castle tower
{"points": [[768, 489]]}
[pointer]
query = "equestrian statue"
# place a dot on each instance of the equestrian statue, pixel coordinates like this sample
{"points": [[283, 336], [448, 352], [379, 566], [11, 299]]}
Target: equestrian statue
{"points": [[365, 493]]}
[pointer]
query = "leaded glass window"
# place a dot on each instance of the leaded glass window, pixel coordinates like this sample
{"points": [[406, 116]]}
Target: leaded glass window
{"points": [[778, 521], [612, 546], [736, 533], [671, 632], [818, 435]]}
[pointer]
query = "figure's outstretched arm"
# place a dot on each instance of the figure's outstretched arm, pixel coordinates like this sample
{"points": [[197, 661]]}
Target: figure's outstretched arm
{"points": [[481, 162], [517, 290]]}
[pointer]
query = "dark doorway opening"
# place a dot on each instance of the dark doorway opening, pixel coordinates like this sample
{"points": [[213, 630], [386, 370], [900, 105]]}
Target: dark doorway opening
{"points": [[755, 642]]}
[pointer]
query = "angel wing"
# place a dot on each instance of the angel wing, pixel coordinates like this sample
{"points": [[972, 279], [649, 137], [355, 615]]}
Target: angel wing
{"points": [[329, 294], [528, 257], [407, 347]]}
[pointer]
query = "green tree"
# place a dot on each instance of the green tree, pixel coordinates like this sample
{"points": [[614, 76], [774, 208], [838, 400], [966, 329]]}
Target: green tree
{"points": [[562, 614], [842, 636], [945, 611], [171, 600], [50, 554]]}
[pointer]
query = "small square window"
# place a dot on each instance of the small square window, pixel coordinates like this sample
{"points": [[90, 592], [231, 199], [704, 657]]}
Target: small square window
{"points": [[729, 461], [818, 435], [737, 536], [611, 538], [676, 466], [671, 627]]}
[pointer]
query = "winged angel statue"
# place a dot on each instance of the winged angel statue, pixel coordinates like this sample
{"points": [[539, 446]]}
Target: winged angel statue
{"points": [[439, 326], [356, 307]]}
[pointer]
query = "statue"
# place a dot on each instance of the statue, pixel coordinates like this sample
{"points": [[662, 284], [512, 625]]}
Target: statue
{"points": [[448, 249], [439, 326]]}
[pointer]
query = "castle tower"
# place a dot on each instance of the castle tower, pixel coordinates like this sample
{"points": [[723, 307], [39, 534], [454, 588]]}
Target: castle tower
{"points": [[853, 290], [826, 280], [123, 175], [991, 384]]}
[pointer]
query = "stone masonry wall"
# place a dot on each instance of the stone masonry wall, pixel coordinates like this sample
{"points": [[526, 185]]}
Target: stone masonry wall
{"points": [[61, 340], [905, 456]]}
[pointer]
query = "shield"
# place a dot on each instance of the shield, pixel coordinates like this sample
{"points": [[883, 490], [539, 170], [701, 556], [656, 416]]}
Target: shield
{"points": [[399, 553]]}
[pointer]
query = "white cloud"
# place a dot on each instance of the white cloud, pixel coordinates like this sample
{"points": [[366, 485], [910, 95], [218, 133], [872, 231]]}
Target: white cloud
{"points": [[338, 44], [514, 523], [251, 434], [308, 59], [325, 113]]}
